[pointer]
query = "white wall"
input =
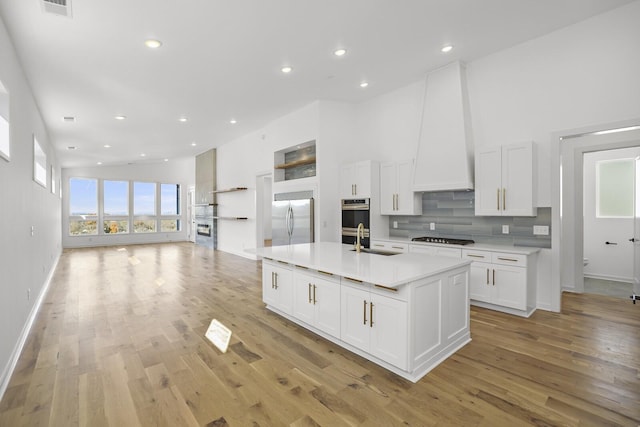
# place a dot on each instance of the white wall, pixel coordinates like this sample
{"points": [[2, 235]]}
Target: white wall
{"points": [[175, 171], [612, 262], [26, 261]]}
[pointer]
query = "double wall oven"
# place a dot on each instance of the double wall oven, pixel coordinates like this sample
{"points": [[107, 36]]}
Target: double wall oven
{"points": [[354, 212]]}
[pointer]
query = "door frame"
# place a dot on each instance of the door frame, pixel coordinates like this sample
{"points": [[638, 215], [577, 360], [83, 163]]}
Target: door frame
{"points": [[260, 202], [567, 198]]}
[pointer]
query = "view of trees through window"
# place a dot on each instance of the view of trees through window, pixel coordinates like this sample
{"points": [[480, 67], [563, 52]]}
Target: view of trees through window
{"points": [[87, 209]]}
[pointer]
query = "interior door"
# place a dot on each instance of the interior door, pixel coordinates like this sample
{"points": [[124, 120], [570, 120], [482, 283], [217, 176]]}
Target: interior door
{"points": [[636, 236]]}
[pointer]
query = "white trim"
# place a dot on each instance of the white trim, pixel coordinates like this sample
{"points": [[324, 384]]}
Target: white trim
{"points": [[611, 278], [17, 350]]}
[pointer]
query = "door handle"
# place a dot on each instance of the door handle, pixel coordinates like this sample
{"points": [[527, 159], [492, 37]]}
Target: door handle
{"points": [[633, 239], [364, 313], [371, 315], [494, 277], [309, 293], [504, 199], [276, 276], [487, 276], [314, 295], [498, 200]]}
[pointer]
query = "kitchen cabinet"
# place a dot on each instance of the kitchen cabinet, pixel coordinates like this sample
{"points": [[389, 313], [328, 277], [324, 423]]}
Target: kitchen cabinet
{"points": [[356, 179], [316, 300], [277, 281], [396, 194], [435, 250], [504, 181], [375, 323], [505, 281], [385, 245]]}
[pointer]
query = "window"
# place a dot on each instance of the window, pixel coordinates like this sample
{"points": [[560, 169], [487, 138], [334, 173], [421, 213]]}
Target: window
{"points": [[83, 206], [169, 207], [614, 188], [5, 143], [144, 206], [115, 205], [53, 179], [39, 163]]}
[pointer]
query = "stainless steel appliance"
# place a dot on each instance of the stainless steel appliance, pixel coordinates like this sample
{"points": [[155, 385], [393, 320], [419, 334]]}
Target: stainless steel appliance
{"points": [[445, 240], [205, 225], [354, 212], [292, 218]]}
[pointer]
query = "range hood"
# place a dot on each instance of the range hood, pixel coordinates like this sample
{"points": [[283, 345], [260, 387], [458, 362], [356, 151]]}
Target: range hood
{"points": [[444, 161]]}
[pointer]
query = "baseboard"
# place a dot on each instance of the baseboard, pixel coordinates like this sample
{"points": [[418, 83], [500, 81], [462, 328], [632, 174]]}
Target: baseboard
{"points": [[608, 277], [22, 339]]}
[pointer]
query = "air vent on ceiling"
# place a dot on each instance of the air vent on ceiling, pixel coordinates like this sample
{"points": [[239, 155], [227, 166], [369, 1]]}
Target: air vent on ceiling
{"points": [[57, 7]]}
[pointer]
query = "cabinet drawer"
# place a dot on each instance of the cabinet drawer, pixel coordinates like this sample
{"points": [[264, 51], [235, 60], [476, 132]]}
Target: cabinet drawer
{"points": [[390, 246], [474, 255], [503, 258], [400, 293], [317, 274]]}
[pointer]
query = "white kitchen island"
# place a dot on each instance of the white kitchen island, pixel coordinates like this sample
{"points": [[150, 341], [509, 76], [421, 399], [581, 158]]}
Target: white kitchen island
{"points": [[405, 312]]}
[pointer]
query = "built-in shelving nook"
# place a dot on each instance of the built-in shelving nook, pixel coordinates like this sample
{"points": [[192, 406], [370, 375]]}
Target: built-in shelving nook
{"points": [[295, 162]]}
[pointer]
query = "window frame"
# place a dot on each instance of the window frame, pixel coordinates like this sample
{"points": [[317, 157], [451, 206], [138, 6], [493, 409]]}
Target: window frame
{"points": [[5, 152]]}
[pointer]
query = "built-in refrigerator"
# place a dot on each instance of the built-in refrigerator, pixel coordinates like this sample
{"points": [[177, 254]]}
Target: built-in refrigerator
{"points": [[292, 218]]}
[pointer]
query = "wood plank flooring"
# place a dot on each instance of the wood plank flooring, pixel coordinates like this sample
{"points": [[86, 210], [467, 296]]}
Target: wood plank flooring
{"points": [[119, 341]]}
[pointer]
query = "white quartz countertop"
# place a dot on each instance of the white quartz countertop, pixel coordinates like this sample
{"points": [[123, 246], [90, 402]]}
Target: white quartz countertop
{"points": [[391, 271]]}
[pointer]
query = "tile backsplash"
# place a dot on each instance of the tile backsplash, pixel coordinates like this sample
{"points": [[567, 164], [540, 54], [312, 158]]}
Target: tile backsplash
{"points": [[453, 213]]}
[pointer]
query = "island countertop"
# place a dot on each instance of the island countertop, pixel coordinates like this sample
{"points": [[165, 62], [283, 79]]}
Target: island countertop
{"points": [[390, 271]]}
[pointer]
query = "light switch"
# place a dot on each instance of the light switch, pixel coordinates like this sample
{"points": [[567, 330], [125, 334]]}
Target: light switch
{"points": [[505, 229], [541, 230], [395, 224], [432, 226]]}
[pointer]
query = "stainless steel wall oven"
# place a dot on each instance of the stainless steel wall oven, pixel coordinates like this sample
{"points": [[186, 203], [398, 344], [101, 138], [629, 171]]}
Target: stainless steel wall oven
{"points": [[354, 212]]}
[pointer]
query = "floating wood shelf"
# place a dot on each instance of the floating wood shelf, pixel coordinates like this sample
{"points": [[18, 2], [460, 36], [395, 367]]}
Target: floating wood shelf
{"points": [[296, 163], [229, 190], [232, 218]]}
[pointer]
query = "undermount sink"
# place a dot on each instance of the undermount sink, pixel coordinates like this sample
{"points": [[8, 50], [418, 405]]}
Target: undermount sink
{"points": [[375, 252]]}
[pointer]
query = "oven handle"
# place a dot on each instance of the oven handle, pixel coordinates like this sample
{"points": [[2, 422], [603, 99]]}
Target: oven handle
{"points": [[353, 232], [355, 207]]}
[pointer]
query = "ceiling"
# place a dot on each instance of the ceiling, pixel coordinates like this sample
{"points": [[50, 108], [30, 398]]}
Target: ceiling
{"points": [[222, 60]]}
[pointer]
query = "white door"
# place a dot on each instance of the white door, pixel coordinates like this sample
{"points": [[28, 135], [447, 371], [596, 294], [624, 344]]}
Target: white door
{"points": [[636, 235]]}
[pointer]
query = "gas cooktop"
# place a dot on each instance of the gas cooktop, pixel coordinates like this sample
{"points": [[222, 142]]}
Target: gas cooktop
{"points": [[444, 240]]}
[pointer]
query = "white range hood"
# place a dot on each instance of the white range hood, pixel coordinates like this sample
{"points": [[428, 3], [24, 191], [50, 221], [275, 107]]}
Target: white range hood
{"points": [[444, 161]]}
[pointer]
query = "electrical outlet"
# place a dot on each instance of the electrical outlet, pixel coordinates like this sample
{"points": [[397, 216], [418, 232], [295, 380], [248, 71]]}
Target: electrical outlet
{"points": [[395, 224], [33, 229], [541, 230], [432, 226], [505, 229]]}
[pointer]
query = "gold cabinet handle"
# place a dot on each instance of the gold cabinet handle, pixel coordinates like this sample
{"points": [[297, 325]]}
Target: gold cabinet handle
{"points": [[276, 276], [476, 256], [371, 315], [507, 259], [494, 277], [386, 288], [504, 199], [364, 313], [314, 295], [273, 280], [498, 200], [309, 293], [487, 276]]}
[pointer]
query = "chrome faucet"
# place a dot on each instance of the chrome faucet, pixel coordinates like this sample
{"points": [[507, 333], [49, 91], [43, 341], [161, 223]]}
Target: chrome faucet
{"points": [[358, 233]]}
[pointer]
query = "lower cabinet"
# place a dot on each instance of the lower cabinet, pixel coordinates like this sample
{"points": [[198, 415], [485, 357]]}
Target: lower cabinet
{"points": [[505, 280], [316, 300], [385, 245], [375, 323], [435, 250], [277, 280]]}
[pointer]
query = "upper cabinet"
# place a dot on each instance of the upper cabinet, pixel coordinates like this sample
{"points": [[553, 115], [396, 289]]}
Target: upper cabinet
{"points": [[356, 179], [396, 195], [504, 181]]}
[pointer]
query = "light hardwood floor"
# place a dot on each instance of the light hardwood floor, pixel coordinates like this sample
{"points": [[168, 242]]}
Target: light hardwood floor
{"points": [[119, 342]]}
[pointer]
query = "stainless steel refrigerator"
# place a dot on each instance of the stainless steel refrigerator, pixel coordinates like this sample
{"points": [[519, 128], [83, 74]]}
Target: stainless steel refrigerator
{"points": [[292, 218]]}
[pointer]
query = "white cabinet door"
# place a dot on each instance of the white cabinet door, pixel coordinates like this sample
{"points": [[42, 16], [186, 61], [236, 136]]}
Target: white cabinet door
{"points": [[355, 180], [510, 288], [517, 180], [277, 288], [504, 181], [347, 181], [363, 179], [388, 172], [327, 303], [388, 328], [303, 307], [488, 189], [407, 202], [354, 328], [480, 281]]}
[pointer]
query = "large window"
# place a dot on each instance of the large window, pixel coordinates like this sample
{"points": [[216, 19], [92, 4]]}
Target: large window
{"points": [[83, 206], [614, 188], [39, 163], [115, 207], [5, 143], [122, 207]]}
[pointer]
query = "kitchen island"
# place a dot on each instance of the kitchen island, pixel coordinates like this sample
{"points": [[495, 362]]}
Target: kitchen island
{"points": [[405, 312]]}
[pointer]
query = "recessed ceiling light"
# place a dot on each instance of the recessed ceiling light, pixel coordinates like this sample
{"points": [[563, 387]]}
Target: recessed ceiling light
{"points": [[233, 121], [364, 84], [166, 160], [446, 48], [119, 117], [68, 119], [142, 155], [286, 69], [106, 146], [99, 163], [340, 52], [193, 144], [71, 147], [152, 43], [183, 119]]}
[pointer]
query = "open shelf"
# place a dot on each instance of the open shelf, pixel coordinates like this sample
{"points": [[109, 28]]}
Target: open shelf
{"points": [[229, 190], [296, 163]]}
